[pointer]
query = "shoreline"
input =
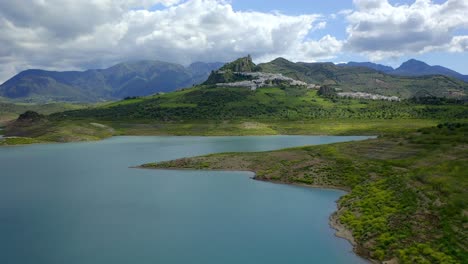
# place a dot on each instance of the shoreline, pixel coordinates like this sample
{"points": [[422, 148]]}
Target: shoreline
{"points": [[340, 230], [330, 187], [3, 137]]}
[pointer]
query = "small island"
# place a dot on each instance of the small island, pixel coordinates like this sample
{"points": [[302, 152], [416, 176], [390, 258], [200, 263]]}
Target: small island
{"points": [[405, 196]]}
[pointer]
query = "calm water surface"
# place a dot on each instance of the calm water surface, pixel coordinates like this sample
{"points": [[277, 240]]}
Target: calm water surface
{"points": [[81, 203]]}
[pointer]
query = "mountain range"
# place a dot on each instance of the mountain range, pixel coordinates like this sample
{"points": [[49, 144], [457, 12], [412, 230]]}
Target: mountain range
{"points": [[411, 67], [142, 78], [368, 80], [137, 78], [225, 97]]}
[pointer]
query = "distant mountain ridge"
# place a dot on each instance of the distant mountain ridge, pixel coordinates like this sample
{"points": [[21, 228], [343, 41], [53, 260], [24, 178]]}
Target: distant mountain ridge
{"points": [[370, 65], [418, 68], [367, 80], [411, 67], [242, 90], [142, 78], [136, 78]]}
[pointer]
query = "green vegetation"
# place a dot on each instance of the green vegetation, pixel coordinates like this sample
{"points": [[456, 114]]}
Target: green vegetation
{"points": [[33, 128], [360, 79], [88, 129], [142, 78], [407, 196], [275, 103], [244, 64], [264, 127], [327, 91], [227, 73], [18, 141], [11, 110], [209, 110], [282, 109], [136, 78], [50, 131]]}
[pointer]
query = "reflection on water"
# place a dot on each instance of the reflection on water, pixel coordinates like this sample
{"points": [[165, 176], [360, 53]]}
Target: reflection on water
{"points": [[81, 203]]}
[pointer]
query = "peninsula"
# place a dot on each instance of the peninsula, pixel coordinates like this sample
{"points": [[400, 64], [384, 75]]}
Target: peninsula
{"points": [[407, 196]]}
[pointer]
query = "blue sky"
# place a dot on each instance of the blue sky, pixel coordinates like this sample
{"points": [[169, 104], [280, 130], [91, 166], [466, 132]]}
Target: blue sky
{"points": [[337, 28], [78, 35]]}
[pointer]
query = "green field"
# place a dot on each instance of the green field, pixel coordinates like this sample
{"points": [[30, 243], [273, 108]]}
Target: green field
{"points": [[19, 141], [90, 129], [11, 110], [361, 79], [407, 198], [263, 127], [210, 110], [273, 104]]}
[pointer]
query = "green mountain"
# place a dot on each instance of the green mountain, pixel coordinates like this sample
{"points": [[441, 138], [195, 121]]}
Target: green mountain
{"points": [[406, 199], [142, 78], [418, 68], [139, 78], [227, 73], [228, 94], [273, 100], [375, 66], [268, 103], [362, 79], [411, 67]]}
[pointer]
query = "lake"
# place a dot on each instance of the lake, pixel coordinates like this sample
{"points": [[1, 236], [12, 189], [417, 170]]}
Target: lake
{"points": [[81, 203]]}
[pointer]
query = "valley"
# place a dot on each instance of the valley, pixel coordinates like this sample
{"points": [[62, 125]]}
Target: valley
{"points": [[233, 132], [281, 105], [126, 79], [407, 180], [407, 191]]}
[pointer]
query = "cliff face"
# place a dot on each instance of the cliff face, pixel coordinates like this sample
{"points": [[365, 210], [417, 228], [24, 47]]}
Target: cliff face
{"points": [[227, 73], [244, 64]]}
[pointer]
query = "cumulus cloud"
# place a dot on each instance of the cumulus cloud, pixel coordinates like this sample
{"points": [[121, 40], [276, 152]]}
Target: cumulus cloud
{"points": [[380, 30], [73, 35], [308, 51], [458, 44], [70, 34]]}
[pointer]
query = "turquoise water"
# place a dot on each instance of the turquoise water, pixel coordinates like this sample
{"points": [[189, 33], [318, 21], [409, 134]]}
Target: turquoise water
{"points": [[81, 203]]}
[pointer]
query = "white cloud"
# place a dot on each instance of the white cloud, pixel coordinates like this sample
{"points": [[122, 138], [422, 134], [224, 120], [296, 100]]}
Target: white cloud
{"points": [[379, 29], [458, 44], [70, 34], [308, 51], [325, 48], [146, 3]]}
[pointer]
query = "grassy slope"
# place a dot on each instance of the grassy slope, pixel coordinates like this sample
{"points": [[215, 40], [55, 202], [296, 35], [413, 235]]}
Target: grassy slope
{"points": [[408, 191], [265, 127], [360, 79], [10, 110], [50, 131], [124, 79], [272, 104], [89, 129], [206, 110]]}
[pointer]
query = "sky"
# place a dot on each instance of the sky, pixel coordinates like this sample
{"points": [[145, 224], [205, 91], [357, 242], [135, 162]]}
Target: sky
{"points": [[89, 34]]}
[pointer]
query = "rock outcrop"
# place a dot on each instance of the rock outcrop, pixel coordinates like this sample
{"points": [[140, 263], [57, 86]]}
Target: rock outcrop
{"points": [[260, 79]]}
